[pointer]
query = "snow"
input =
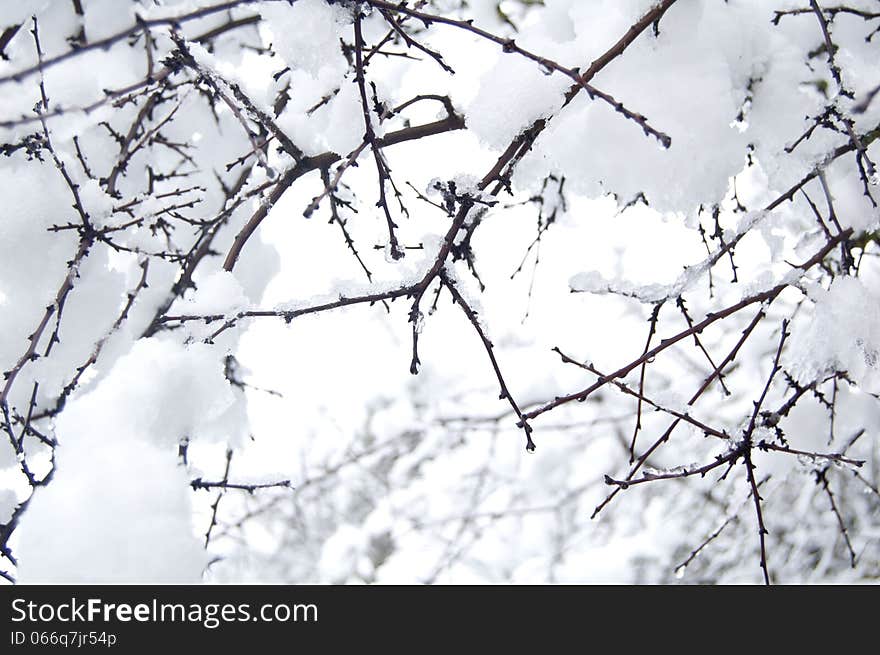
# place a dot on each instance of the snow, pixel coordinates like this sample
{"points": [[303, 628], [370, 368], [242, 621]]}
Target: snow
{"points": [[95, 303], [513, 95], [217, 293], [34, 199], [424, 478], [7, 455], [842, 335], [119, 494], [8, 503], [594, 282], [341, 554], [344, 128], [160, 392], [21, 11], [96, 203], [105, 18], [121, 509], [656, 79], [306, 34]]}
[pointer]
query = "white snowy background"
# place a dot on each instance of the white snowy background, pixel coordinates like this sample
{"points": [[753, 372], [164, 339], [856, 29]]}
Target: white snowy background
{"points": [[400, 478]]}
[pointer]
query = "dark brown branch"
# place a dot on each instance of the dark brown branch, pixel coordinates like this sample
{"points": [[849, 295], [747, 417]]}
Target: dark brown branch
{"points": [[655, 315], [325, 160], [747, 453], [510, 46], [640, 395], [107, 42], [199, 483], [382, 168], [490, 351], [766, 296], [832, 457], [822, 479], [127, 93]]}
